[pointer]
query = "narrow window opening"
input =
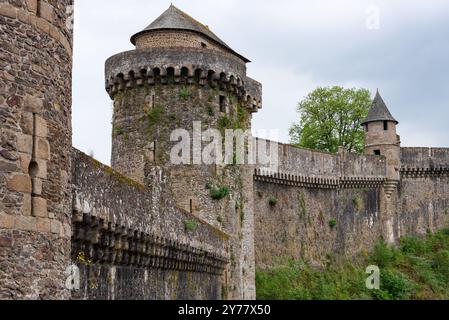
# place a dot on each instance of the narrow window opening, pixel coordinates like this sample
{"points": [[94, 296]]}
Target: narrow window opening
{"points": [[191, 205], [154, 151], [38, 8], [33, 169], [153, 99], [385, 125], [285, 150], [222, 104], [367, 127], [377, 152]]}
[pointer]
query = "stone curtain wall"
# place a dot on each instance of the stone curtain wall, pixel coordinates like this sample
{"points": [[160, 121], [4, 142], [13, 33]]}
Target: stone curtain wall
{"points": [[424, 190], [317, 204], [35, 125], [320, 204], [132, 243], [297, 222]]}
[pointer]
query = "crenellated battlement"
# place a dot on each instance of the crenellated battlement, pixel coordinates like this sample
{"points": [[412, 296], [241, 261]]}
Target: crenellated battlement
{"points": [[203, 70]]}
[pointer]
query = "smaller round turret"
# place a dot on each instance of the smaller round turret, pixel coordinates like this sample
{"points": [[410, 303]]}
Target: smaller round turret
{"points": [[381, 137]]}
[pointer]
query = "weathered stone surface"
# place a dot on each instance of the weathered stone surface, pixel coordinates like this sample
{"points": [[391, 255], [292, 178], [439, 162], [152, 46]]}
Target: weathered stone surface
{"points": [[25, 223], [32, 5], [42, 149], [6, 221], [25, 143], [36, 65], [41, 129], [20, 183], [43, 225], [39, 206], [27, 123], [33, 104], [8, 167]]}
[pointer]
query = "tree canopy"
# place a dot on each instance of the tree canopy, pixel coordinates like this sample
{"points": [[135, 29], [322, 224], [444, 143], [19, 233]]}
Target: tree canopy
{"points": [[331, 117]]}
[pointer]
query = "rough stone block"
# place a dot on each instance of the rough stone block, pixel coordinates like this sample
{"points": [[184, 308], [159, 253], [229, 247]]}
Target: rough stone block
{"points": [[67, 230], [43, 225], [41, 127], [43, 25], [8, 167], [25, 223], [26, 208], [42, 149], [25, 160], [56, 227], [20, 183], [25, 143], [37, 187], [47, 11], [32, 5], [5, 241], [33, 104], [6, 221], [27, 123], [8, 10], [39, 207]]}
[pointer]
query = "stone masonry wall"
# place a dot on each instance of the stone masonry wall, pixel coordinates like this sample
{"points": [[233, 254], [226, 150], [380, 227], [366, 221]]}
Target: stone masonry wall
{"points": [[130, 242], [297, 222], [317, 204], [423, 191], [35, 130], [295, 207]]}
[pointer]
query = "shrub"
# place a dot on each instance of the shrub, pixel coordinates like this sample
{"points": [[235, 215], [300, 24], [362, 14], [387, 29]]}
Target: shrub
{"points": [[219, 193], [119, 131], [272, 201], [154, 115], [184, 93], [224, 122], [412, 245], [332, 223], [190, 225], [395, 284], [383, 254]]}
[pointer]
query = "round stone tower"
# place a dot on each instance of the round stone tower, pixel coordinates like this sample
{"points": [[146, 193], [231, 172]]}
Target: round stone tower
{"points": [[381, 137], [35, 149], [180, 81]]}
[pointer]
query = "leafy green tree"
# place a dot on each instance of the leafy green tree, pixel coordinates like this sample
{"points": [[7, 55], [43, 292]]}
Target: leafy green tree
{"points": [[332, 117]]}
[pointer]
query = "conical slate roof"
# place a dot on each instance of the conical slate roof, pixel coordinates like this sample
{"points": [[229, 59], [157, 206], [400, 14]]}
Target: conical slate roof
{"points": [[175, 19], [379, 111]]}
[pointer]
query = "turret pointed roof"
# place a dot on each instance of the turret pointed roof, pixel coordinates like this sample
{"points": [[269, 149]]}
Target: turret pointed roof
{"points": [[379, 111], [175, 19]]}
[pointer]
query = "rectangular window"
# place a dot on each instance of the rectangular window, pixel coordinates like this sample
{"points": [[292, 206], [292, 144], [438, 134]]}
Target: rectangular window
{"points": [[222, 104], [377, 152], [367, 127], [385, 125], [191, 206], [152, 101]]}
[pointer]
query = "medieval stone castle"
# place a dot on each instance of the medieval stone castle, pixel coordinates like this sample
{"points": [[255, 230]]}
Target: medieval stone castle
{"points": [[149, 229]]}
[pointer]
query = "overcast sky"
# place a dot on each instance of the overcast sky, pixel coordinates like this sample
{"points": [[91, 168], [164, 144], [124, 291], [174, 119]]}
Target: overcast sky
{"points": [[294, 47]]}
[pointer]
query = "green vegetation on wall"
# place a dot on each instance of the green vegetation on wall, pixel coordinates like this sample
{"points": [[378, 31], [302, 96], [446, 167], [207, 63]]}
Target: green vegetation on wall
{"points": [[417, 269], [190, 225]]}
